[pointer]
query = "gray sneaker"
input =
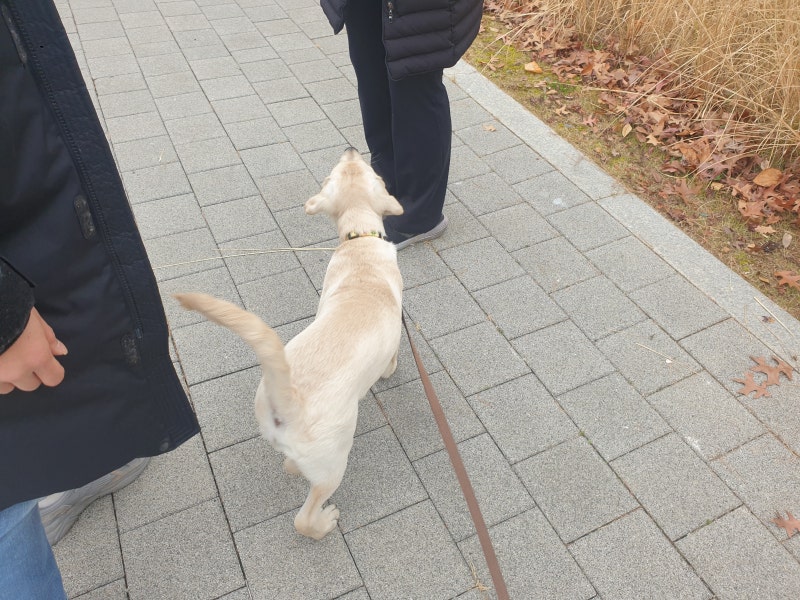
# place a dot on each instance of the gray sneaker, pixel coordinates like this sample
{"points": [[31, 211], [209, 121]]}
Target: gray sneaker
{"points": [[60, 511], [401, 240]]}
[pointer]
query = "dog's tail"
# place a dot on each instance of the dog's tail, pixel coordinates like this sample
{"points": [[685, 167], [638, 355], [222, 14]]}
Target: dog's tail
{"points": [[266, 343]]}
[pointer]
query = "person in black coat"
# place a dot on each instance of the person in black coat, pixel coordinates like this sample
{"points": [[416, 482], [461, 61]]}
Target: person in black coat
{"points": [[398, 49], [73, 275]]}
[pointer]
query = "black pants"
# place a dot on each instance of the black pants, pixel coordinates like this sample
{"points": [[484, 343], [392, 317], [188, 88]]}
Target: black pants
{"points": [[406, 123]]}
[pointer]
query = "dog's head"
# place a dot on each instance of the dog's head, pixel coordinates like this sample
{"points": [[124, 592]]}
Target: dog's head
{"points": [[353, 185]]}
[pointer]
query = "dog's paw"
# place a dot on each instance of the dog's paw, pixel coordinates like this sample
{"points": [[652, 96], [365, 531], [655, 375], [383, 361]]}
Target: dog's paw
{"points": [[328, 519], [290, 466]]}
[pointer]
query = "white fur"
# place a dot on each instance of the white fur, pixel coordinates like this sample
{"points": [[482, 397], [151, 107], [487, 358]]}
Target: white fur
{"points": [[307, 401]]}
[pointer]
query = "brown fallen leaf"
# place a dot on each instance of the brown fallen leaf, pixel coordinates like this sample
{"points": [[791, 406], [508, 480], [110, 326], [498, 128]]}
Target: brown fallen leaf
{"points": [[627, 128], [750, 385], [768, 177], [489, 127], [787, 239], [790, 525], [788, 278], [765, 229], [533, 67], [773, 373]]}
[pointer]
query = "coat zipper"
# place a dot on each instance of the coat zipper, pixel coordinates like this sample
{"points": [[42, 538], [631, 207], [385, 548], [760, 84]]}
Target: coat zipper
{"points": [[390, 6]]}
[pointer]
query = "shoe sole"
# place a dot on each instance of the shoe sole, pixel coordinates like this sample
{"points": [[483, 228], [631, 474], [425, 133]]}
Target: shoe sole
{"points": [[423, 237], [59, 515]]}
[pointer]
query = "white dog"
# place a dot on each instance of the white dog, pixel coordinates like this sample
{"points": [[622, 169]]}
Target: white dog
{"points": [[307, 401]]}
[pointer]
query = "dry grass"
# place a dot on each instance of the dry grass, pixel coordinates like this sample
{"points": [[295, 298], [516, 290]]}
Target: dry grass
{"points": [[740, 57]]}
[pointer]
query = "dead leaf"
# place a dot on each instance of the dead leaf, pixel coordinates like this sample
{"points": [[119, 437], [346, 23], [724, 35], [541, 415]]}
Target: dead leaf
{"points": [[788, 278], [627, 128], [562, 110], [489, 127], [750, 385], [790, 525], [768, 177], [787, 239], [773, 373], [533, 67], [716, 186], [765, 229]]}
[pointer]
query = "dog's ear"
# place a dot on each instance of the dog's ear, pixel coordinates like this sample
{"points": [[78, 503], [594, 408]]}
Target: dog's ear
{"points": [[317, 204], [391, 206]]}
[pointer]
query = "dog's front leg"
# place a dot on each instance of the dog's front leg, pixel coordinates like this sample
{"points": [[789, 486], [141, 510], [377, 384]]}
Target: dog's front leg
{"points": [[390, 369], [314, 521]]}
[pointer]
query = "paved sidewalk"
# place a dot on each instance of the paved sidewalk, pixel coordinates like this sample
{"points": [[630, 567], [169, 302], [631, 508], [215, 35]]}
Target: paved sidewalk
{"points": [[583, 347]]}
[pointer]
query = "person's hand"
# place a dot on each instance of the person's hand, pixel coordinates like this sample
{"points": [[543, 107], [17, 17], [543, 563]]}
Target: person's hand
{"points": [[30, 361]]}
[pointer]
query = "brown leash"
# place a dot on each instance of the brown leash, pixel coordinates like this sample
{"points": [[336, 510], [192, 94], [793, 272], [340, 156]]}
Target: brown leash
{"points": [[461, 474]]}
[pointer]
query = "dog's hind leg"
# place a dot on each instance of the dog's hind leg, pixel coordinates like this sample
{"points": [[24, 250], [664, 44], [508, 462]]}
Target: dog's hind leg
{"points": [[314, 521], [290, 466]]}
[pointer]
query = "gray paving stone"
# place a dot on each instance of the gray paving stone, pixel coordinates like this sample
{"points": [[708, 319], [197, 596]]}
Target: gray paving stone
{"points": [[467, 112], [185, 7], [100, 31], [629, 264], [518, 226], [186, 555], [240, 594], [208, 351], [465, 164], [187, 23], [173, 84], [485, 193], [280, 564], [206, 52], [221, 185], [301, 55], [95, 15], [555, 264], [147, 35], [281, 90], [410, 555], [678, 490], [252, 483], [551, 192], [359, 594], [575, 488], [481, 263], [293, 112], [246, 263], [518, 307], [134, 127], [225, 408], [115, 590], [433, 315], [499, 493], [243, 40], [421, 264], [766, 475], [379, 481], [89, 555], [631, 558], [118, 46], [166, 216], [253, 54], [198, 37], [152, 183], [562, 357], [163, 64], [195, 128], [303, 230], [260, 12], [463, 227], [316, 262], [615, 418], [487, 138], [588, 226], [118, 84], [212, 68], [141, 19], [314, 70], [206, 155], [677, 306], [222, 11], [320, 162], [238, 219], [517, 164], [332, 90], [273, 70], [288, 41], [226, 87], [251, 134], [370, 415], [534, 562], [346, 113], [126, 103], [287, 190], [281, 298], [147, 152], [478, 358], [314, 136], [183, 105], [522, 418], [739, 560], [244, 108], [647, 357], [708, 417], [355, 136], [410, 416], [598, 307], [171, 483], [271, 160]]}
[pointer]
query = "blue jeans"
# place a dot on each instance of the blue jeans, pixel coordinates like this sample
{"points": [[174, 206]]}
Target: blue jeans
{"points": [[27, 566]]}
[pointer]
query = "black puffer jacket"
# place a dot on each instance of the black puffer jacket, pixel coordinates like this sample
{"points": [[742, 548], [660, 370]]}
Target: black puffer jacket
{"points": [[420, 35], [65, 225]]}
